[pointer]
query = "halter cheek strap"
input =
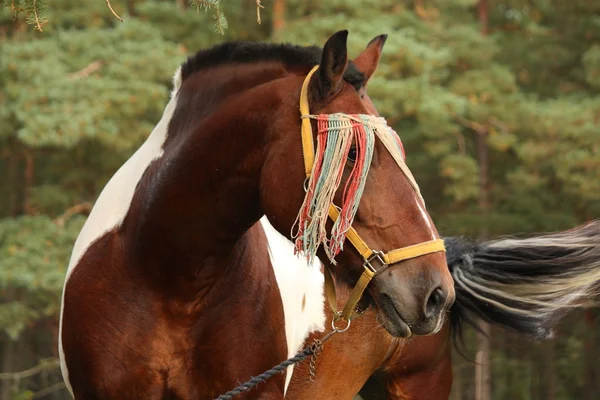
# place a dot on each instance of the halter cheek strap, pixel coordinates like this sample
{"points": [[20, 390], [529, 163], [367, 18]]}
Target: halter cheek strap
{"points": [[375, 262]]}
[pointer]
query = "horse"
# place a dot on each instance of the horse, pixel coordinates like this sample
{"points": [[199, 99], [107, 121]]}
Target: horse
{"points": [[170, 291], [525, 285]]}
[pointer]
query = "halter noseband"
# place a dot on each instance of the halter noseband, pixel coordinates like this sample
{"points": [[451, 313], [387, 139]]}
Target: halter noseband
{"points": [[375, 261]]}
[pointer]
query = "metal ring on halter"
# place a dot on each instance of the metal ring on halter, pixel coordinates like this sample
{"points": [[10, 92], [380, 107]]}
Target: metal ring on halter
{"points": [[306, 183], [335, 328]]}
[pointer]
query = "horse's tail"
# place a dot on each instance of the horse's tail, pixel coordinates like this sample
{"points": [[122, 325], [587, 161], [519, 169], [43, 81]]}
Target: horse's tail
{"points": [[525, 284]]}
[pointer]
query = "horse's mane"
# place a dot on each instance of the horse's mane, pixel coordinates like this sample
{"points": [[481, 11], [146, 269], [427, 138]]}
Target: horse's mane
{"points": [[244, 52]]}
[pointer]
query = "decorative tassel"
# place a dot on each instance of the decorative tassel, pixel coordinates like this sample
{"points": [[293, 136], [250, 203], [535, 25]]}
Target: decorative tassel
{"points": [[333, 144], [364, 141], [336, 134]]}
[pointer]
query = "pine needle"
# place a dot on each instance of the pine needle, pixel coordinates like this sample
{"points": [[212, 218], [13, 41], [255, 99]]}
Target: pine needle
{"points": [[33, 10], [219, 17], [38, 22], [204, 4], [113, 11], [258, 7], [220, 21]]}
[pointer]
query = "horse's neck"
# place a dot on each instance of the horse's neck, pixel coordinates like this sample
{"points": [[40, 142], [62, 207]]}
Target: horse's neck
{"points": [[114, 201], [245, 268], [196, 201]]}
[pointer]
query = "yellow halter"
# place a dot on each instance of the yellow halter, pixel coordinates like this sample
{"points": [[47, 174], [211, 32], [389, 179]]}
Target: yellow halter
{"points": [[375, 262]]}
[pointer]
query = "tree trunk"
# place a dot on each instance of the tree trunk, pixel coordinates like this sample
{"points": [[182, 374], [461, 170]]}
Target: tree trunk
{"points": [[14, 203], [548, 373], [591, 387], [131, 8], [483, 368], [508, 354], [29, 181], [278, 17], [483, 389], [457, 385], [534, 381], [7, 363], [482, 11]]}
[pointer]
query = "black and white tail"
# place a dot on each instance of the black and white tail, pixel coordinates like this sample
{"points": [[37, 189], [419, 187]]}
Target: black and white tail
{"points": [[525, 284]]}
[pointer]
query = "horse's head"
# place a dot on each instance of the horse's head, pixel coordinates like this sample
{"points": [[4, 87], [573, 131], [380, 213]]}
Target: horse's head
{"points": [[356, 162]]}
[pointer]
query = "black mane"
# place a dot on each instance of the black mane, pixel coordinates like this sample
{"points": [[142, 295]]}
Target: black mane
{"points": [[240, 52]]}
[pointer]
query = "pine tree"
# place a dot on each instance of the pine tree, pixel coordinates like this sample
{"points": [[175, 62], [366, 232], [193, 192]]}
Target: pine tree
{"points": [[34, 11]]}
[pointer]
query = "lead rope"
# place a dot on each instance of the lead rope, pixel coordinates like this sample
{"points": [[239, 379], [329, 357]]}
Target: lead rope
{"points": [[313, 350]]}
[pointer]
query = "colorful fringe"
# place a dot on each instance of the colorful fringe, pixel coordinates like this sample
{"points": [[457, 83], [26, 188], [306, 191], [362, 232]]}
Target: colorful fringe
{"points": [[336, 134], [334, 140]]}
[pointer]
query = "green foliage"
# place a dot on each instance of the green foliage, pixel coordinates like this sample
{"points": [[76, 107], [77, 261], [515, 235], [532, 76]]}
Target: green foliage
{"points": [[34, 252], [204, 4], [463, 169], [218, 15], [35, 11], [591, 65], [23, 395], [54, 106]]}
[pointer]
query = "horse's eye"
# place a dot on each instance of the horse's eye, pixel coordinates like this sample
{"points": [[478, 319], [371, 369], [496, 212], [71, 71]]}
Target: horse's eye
{"points": [[352, 154]]}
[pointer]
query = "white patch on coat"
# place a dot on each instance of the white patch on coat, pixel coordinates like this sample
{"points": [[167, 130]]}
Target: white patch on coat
{"points": [[298, 282], [112, 205]]}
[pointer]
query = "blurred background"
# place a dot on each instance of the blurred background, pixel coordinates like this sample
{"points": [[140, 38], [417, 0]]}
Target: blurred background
{"points": [[497, 103]]}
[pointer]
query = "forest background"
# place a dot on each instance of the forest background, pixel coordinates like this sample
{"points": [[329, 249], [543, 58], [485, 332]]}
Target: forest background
{"points": [[497, 103]]}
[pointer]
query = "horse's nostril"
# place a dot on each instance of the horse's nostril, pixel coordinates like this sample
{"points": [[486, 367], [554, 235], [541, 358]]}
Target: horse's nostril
{"points": [[435, 302]]}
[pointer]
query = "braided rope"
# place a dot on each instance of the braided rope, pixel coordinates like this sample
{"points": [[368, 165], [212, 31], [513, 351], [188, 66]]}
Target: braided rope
{"points": [[252, 383], [314, 349]]}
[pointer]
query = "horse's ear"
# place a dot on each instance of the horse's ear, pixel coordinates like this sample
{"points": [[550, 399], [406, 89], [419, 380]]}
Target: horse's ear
{"points": [[368, 60], [334, 61]]}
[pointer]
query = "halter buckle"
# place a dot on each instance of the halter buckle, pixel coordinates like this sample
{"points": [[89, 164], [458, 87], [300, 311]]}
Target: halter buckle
{"points": [[371, 265]]}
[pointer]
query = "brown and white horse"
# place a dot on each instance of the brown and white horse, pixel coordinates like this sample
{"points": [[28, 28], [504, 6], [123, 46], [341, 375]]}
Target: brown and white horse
{"points": [[174, 290], [170, 291], [525, 285]]}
